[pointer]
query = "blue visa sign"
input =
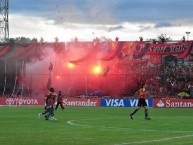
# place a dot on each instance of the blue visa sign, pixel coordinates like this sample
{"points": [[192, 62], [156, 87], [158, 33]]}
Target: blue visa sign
{"points": [[123, 102]]}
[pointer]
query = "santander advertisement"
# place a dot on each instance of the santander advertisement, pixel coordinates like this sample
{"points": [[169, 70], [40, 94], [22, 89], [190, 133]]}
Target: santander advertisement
{"points": [[173, 103], [82, 102]]}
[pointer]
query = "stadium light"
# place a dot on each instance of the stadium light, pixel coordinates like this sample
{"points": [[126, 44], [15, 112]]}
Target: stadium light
{"points": [[187, 33]]}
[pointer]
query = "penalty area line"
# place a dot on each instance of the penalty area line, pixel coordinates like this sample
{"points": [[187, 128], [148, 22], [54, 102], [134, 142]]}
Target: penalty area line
{"points": [[72, 122], [156, 140]]}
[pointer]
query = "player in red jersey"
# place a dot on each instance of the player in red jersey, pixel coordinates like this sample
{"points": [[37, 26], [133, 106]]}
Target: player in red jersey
{"points": [[142, 93], [59, 101], [51, 99]]}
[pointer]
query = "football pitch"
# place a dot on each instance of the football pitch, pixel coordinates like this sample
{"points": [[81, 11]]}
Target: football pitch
{"points": [[96, 126]]}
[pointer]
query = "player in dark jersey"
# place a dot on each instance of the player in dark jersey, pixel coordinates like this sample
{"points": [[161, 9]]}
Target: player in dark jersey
{"points": [[142, 93], [59, 101]]}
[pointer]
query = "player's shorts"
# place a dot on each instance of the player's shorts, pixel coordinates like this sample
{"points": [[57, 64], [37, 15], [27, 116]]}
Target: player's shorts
{"points": [[141, 102]]}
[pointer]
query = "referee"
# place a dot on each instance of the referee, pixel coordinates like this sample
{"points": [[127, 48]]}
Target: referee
{"points": [[142, 93]]}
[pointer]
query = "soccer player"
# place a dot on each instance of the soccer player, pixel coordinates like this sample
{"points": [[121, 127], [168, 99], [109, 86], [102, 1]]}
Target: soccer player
{"points": [[45, 108], [142, 93], [51, 101], [49, 105], [59, 101]]}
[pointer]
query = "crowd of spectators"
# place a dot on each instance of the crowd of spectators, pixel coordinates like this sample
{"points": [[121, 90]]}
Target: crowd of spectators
{"points": [[164, 80]]}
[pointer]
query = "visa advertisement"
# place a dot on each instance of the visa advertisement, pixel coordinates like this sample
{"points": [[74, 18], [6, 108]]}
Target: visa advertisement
{"points": [[123, 102]]}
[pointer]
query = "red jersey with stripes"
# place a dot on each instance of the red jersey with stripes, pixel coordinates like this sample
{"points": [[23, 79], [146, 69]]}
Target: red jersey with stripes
{"points": [[51, 99], [142, 93]]}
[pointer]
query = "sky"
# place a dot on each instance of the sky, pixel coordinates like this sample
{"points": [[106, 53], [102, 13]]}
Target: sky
{"points": [[105, 19]]}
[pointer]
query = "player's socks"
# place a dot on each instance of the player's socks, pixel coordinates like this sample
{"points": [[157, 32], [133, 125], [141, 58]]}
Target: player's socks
{"points": [[146, 115], [147, 118], [134, 112], [39, 115], [53, 118], [131, 116]]}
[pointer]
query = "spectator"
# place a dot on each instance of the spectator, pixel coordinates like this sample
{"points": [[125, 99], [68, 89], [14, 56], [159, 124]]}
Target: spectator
{"points": [[183, 39], [41, 40], [56, 40], [141, 39]]}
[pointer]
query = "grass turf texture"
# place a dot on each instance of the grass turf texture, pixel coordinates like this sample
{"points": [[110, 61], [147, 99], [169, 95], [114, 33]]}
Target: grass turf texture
{"points": [[96, 126]]}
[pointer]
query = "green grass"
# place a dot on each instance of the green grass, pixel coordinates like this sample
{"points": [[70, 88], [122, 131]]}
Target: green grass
{"points": [[96, 126]]}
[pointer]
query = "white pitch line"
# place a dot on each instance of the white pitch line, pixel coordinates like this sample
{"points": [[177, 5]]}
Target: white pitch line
{"points": [[71, 122], [156, 140]]}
